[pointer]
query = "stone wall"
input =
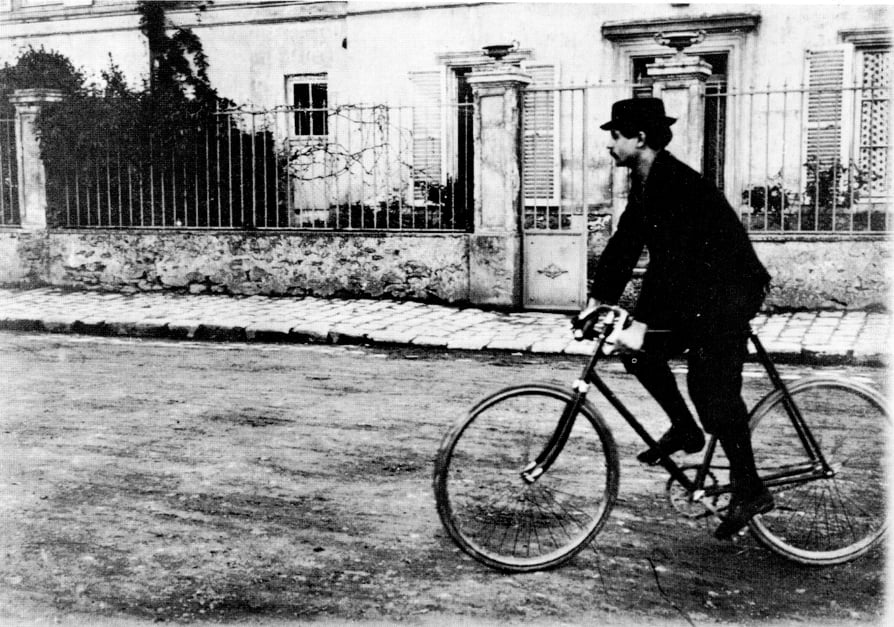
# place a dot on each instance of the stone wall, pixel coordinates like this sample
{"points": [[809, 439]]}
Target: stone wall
{"points": [[827, 274], [22, 257], [814, 272], [807, 274], [431, 267]]}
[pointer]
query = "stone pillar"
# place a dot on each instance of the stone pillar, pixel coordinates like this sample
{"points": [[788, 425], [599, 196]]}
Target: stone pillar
{"points": [[680, 83], [32, 178], [495, 268]]}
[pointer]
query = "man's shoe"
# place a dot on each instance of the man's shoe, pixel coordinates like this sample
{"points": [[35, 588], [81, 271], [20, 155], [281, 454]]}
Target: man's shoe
{"points": [[690, 441], [740, 511]]}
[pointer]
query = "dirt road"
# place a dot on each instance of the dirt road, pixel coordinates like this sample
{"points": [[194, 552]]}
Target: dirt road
{"points": [[220, 482]]}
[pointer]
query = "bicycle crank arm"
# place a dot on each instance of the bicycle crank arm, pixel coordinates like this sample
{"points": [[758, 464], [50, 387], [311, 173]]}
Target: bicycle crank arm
{"points": [[701, 497], [715, 511]]}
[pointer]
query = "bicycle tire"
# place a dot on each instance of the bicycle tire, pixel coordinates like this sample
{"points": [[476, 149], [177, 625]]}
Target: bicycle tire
{"points": [[835, 519], [492, 513]]}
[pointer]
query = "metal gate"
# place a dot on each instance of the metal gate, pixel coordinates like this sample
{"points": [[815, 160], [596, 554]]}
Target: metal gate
{"points": [[555, 154]]}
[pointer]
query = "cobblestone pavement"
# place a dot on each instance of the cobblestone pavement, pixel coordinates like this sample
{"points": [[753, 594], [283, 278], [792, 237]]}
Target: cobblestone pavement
{"points": [[812, 336]]}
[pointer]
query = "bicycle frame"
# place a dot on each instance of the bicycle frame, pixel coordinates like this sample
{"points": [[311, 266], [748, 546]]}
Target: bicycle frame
{"points": [[815, 468]]}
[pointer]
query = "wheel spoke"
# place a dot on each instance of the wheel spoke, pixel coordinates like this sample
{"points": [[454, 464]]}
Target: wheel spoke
{"points": [[505, 522], [826, 520]]}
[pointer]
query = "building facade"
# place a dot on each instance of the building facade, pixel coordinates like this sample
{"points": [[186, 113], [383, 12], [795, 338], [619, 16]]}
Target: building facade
{"points": [[788, 112]]}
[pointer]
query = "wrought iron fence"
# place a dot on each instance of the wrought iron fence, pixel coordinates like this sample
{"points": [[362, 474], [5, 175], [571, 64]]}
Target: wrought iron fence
{"points": [[566, 168], [9, 186], [810, 160], [356, 167], [790, 160]]}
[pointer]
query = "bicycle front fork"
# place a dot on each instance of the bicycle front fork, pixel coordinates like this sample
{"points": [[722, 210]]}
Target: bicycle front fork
{"points": [[534, 470]]}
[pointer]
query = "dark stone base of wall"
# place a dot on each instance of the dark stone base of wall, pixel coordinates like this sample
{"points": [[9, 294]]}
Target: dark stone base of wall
{"points": [[431, 267]]}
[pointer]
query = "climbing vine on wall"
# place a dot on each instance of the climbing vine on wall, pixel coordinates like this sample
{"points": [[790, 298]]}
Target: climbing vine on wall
{"points": [[172, 152], [106, 142]]}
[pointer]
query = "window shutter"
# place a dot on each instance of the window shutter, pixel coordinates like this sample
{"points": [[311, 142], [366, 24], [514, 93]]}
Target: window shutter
{"points": [[828, 105], [539, 146], [875, 119], [427, 136]]}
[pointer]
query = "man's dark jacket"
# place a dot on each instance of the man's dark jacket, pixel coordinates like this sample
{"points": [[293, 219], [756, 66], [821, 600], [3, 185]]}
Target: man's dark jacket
{"points": [[703, 274]]}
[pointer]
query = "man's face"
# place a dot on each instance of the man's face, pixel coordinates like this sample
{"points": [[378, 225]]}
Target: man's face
{"points": [[623, 149]]}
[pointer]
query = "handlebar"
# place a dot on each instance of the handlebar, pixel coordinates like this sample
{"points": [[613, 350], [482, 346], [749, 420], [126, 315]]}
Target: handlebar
{"points": [[592, 322]]}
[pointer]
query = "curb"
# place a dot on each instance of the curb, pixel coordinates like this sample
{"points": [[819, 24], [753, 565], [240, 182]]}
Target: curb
{"points": [[321, 333]]}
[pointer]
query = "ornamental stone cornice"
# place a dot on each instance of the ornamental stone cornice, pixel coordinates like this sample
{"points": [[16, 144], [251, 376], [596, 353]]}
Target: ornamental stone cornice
{"points": [[499, 78], [867, 37], [719, 23], [35, 96]]}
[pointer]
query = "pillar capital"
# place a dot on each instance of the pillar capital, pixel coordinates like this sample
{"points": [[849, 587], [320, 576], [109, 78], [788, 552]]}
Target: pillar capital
{"points": [[35, 97], [680, 69], [496, 79]]}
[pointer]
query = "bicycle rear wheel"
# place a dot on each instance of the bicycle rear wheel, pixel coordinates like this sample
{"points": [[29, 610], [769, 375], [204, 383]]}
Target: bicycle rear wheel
{"points": [[498, 518], [833, 519]]}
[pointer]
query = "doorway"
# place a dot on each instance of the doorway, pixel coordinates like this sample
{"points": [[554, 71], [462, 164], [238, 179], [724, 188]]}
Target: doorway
{"points": [[713, 157]]}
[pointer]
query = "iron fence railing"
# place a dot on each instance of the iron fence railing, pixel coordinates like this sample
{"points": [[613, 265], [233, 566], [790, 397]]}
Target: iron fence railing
{"points": [[9, 186], [789, 160], [373, 169], [809, 160], [566, 167]]}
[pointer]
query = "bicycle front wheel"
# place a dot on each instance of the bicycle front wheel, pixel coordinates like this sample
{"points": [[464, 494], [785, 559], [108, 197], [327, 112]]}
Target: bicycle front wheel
{"points": [[836, 518], [498, 518]]}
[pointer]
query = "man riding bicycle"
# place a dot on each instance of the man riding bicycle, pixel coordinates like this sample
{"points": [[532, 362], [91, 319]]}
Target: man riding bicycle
{"points": [[703, 285]]}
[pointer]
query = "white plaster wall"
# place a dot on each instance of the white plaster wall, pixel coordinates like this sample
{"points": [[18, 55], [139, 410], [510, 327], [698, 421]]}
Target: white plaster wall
{"points": [[386, 40], [249, 63], [88, 48]]}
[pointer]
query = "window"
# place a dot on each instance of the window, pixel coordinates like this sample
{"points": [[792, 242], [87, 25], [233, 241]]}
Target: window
{"points": [[875, 114], [309, 98], [828, 76], [427, 133], [539, 146], [848, 116], [443, 158], [722, 48]]}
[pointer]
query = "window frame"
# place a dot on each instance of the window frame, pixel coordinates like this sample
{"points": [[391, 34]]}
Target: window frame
{"points": [[731, 34], [848, 125], [870, 40], [310, 79], [545, 75], [731, 44], [718, 82], [860, 100]]}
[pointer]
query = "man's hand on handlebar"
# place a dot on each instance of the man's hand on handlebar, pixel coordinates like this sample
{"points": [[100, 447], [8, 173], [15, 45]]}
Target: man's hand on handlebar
{"points": [[585, 323], [626, 334]]}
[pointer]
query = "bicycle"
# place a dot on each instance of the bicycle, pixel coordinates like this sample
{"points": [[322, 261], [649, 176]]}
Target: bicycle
{"points": [[529, 477]]}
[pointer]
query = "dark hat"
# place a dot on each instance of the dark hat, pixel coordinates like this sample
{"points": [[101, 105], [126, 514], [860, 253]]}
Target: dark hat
{"points": [[638, 112]]}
